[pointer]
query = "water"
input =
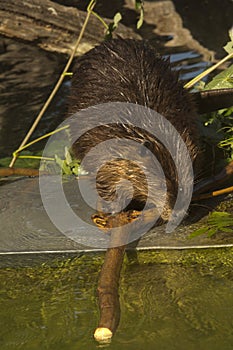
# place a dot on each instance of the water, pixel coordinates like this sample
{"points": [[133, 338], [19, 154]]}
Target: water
{"points": [[169, 300]]}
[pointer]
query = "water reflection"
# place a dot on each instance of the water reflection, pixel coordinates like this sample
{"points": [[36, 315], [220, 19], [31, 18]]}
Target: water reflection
{"points": [[27, 76]]}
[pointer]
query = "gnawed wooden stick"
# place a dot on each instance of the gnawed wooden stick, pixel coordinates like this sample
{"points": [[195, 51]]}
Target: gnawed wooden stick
{"points": [[108, 284], [109, 304]]}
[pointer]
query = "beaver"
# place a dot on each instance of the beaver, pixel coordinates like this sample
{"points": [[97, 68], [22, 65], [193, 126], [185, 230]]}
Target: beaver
{"points": [[132, 71]]}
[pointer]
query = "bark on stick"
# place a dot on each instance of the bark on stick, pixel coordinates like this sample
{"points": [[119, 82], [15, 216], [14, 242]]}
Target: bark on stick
{"points": [[108, 284]]}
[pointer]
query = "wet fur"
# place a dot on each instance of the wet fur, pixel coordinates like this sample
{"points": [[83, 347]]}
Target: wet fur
{"points": [[132, 71]]}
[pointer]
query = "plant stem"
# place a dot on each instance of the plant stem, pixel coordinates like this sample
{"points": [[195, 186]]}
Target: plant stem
{"points": [[207, 71], [58, 84]]}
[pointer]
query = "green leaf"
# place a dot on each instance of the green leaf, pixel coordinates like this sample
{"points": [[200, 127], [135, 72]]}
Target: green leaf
{"points": [[211, 232], [69, 165], [81, 171], [222, 81], [231, 34], [226, 229], [139, 7], [229, 112], [198, 232], [63, 165], [113, 25], [68, 156], [117, 18], [228, 142], [138, 4], [58, 160], [229, 46], [141, 19], [76, 169], [216, 222]]}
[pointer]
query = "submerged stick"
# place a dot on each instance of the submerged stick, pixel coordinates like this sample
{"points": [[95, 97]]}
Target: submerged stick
{"points": [[108, 296], [107, 290]]}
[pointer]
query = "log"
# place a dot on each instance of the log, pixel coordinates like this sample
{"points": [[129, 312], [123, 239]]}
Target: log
{"points": [[18, 172], [213, 100], [51, 26]]}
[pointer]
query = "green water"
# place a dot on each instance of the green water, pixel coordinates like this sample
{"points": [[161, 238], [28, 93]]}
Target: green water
{"points": [[169, 300]]}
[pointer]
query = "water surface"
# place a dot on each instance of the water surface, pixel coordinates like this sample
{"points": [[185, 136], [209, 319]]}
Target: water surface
{"points": [[169, 300]]}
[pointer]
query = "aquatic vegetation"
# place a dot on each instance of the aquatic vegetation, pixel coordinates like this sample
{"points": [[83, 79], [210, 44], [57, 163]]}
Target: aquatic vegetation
{"points": [[215, 222]]}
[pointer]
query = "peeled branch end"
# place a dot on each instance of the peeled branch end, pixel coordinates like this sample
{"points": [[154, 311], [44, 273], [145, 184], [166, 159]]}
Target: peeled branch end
{"points": [[103, 335]]}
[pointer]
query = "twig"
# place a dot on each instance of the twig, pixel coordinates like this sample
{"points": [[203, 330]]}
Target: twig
{"points": [[213, 194], [214, 182]]}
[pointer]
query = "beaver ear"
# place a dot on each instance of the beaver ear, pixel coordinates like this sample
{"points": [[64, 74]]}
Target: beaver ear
{"points": [[212, 100]]}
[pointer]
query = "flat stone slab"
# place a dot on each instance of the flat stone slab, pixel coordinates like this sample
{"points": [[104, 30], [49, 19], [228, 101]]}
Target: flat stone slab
{"points": [[27, 228]]}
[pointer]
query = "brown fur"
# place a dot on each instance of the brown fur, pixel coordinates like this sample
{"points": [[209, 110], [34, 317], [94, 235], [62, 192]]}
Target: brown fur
{"points": [[132, 71]]}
